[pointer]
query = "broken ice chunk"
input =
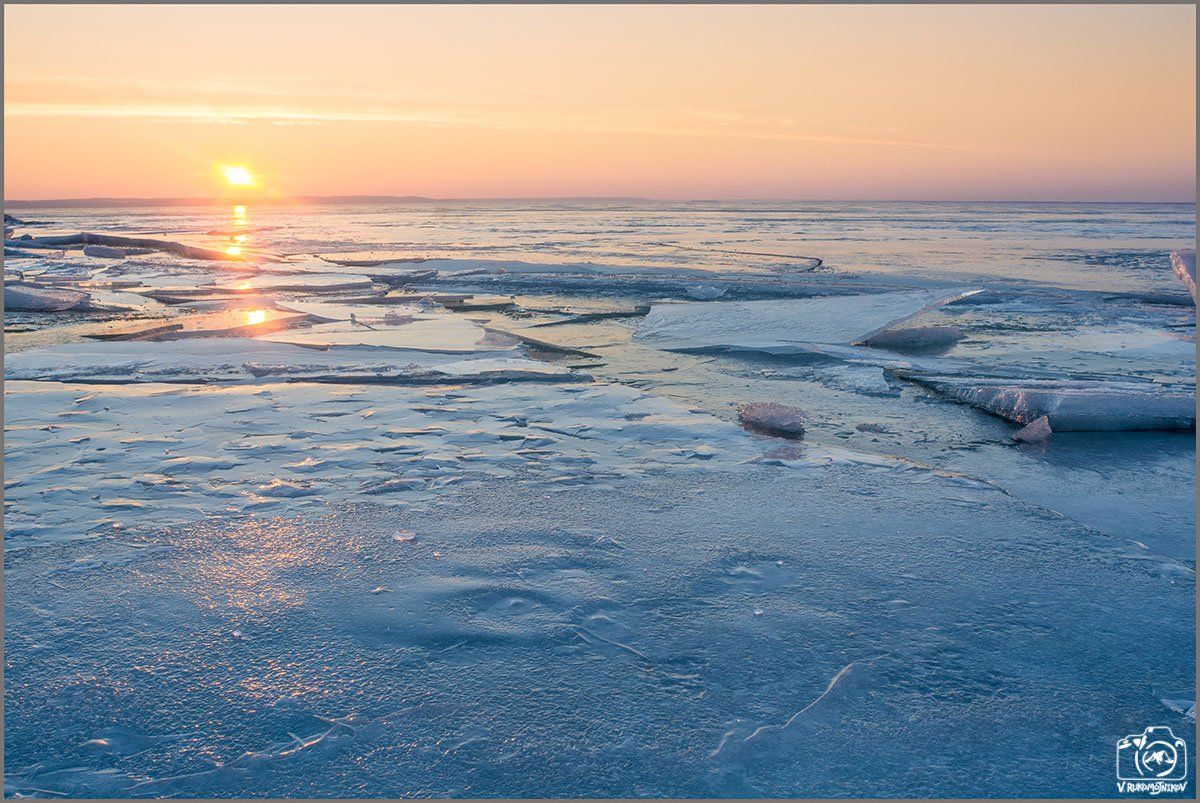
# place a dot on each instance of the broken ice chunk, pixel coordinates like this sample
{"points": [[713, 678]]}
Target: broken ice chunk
{"points": [[1071, 405], [705, 292], [915, 339], [788, 325], [103, 252], [1184, 264], [1035, 432], [772, 418]]}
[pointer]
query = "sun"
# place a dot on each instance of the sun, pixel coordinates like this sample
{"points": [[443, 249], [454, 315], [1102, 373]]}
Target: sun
{"points": [[237, 176]]}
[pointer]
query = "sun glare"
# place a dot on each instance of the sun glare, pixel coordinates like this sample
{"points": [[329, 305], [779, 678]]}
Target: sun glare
{"points": [[237, 176]]}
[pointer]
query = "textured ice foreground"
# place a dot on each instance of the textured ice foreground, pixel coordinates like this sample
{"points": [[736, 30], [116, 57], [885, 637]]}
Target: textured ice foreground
{"points": [[654, 638]]}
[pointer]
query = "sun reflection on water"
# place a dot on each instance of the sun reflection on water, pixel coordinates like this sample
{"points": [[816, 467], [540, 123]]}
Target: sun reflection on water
{"points": [[238, 239]]}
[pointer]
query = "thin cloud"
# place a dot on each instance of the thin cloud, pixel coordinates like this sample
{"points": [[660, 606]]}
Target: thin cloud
{"points": [[692, 123]]}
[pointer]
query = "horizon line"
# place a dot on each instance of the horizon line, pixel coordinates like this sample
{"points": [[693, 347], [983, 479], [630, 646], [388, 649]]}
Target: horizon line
{"points": [[365, 199]]}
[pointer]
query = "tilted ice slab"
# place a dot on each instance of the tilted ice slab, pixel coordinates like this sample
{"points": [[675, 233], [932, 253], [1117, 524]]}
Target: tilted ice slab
{"points": [[23, 296], [785, 326], [1184, 265], [243, 359], [1071, 405]]}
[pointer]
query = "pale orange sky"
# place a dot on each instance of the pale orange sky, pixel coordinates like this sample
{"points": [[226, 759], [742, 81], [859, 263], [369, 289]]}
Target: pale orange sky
{"points": [[820, 102]]}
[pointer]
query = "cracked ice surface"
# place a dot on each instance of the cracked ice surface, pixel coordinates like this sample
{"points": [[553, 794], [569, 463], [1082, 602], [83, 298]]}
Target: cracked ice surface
{"points": [[83, 459]]}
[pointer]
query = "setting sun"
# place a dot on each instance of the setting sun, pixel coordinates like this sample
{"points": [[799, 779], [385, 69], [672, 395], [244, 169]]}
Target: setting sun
{"points": [[237, 176]]}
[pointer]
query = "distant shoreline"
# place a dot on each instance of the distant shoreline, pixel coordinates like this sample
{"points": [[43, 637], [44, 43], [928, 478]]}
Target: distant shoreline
{"points": [[330, 200]]}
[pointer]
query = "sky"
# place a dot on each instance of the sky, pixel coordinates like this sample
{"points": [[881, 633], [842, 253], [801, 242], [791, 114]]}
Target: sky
{"points": [[672, 102]]}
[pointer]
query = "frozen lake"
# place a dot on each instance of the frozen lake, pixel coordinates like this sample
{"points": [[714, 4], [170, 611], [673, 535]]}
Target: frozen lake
{"points": [[454, 499]]}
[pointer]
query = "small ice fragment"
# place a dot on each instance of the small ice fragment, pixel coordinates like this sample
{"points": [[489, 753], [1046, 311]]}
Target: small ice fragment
{"points": [[1184, 264], [437, 554], [103, 251], [404, 535], [380, 590], [916, 338], [705, 292], [772, 418], [758, 611], [283, 488], [1036, 431], [394, 318], [237, 635], [1185, 707]]}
